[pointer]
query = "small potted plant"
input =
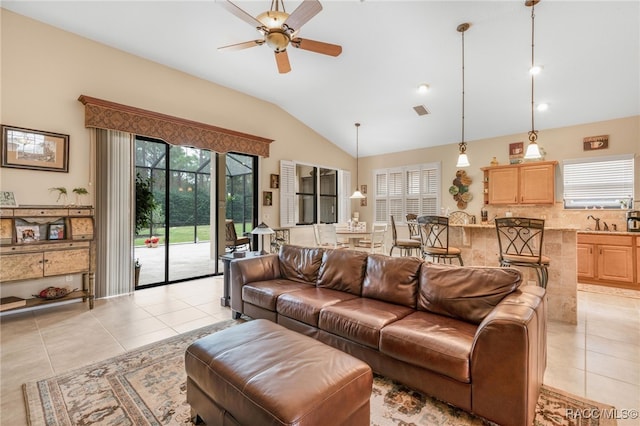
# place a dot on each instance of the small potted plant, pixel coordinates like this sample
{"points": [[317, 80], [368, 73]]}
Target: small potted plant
{"points": [[62, 193], [80, 192]]}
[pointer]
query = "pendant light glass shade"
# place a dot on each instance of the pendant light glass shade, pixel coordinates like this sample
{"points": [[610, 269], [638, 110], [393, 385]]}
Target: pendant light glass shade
{"points": [[357, 194], [463, 160], [533, 150]]}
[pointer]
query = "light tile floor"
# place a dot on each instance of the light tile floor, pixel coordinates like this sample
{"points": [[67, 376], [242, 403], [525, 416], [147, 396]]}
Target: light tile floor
{"points": [[599, 358]]}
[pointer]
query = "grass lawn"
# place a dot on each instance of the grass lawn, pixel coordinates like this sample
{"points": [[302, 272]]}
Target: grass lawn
{"points": [[184, 234]]}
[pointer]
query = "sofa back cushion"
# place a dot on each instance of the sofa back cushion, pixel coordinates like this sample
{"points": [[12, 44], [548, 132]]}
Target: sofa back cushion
{"points": [[343, 270], [300, 263], [464, 292], [392, 279]]}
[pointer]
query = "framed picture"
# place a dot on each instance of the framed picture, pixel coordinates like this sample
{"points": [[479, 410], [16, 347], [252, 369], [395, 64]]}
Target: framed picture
{"points": [[27, 233], [363, 189], [8, 199], [275, 181], [56, 231], [34, 149], [516, 152], [592, 143], [267, 198], [363, 202]]}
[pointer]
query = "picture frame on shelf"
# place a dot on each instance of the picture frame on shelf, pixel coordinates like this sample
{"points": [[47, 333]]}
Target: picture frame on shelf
{"points": [[274, 181], [267, 198], [27, 233], [34, 149], [8, 199], [56, 231]]}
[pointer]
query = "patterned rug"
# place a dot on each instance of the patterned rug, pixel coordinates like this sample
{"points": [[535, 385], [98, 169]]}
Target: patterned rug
{"points": [[147, 387]]}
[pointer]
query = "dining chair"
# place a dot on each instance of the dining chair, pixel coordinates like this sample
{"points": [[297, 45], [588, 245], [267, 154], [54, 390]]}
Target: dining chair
{"points": [[520, 243], [434, 232], [406, 246], [412, 224], [232, 242], [377, 240], [326, 235]]}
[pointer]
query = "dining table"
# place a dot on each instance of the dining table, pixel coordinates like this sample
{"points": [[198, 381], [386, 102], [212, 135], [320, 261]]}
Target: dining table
{"points": [[353, 236]]}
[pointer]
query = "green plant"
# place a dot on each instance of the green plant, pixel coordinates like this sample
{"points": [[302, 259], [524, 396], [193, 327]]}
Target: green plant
{"points": [[62, 191], [145, 203], [80, 191]]}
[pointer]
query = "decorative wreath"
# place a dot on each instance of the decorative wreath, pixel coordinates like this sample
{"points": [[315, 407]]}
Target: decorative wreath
{"points": [[460, 189]]}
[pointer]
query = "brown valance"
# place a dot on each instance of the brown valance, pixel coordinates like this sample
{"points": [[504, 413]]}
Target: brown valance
{"points": [[176, 131]]}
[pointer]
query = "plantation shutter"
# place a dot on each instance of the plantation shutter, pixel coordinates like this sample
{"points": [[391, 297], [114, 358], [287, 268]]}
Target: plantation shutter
{"points": [[287, 194], [344, 202]]}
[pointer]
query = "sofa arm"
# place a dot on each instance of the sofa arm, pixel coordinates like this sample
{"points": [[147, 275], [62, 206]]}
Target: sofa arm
{"points": [[508, 359], [248, 270]]}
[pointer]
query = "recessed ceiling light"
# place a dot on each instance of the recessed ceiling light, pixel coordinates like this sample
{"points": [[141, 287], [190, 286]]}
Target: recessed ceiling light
{"points": [[423, 88], [543, 107]]}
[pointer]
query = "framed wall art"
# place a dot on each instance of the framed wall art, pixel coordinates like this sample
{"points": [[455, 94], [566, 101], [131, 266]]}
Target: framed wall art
{"points": [[516, 152], [592, 143], [8, 199], [274, 181], [267, 198], [34, 149]]}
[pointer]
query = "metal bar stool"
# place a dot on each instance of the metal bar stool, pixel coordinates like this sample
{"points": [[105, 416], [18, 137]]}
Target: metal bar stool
{"points": [[406, 246], [434, 231], [520, 241]]}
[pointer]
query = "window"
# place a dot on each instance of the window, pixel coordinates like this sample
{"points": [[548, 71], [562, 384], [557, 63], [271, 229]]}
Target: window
{"points": [[311, 194], [598, 182], [409, 189]]}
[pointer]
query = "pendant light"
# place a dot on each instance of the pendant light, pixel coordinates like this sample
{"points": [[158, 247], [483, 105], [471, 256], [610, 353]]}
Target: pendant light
{"points": [[533, 150], [357, 194], [463, 160]]}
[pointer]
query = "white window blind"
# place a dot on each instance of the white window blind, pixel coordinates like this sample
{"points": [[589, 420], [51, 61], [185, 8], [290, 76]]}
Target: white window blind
{"points": [[598, 182], [344, 202], [409, 189], [287, 194]]}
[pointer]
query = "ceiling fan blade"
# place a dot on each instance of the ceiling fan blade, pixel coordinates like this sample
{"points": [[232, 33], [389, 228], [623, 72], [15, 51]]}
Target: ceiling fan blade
{"points": [[317, 46], [243, 45], [282, 60], [235, 10], [307, 10]]}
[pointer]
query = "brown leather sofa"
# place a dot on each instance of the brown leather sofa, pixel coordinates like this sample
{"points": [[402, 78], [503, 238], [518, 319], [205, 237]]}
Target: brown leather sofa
{"points": [[469, 336]]}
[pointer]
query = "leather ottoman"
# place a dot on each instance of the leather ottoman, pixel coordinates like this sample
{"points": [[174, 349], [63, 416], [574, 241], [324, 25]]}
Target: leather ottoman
{"points": [[260, 373]]}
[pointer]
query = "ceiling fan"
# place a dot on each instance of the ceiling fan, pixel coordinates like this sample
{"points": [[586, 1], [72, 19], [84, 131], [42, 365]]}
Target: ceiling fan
{"points": [[280, 30]]}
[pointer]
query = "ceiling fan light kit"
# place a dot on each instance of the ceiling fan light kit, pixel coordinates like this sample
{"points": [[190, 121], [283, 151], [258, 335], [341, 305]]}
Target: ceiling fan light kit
{"points": [[280, 29]]}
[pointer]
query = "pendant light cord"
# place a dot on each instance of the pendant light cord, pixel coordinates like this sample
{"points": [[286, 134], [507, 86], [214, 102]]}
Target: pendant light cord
{"points": [[463, 143], [533, 134], [357, 156]]}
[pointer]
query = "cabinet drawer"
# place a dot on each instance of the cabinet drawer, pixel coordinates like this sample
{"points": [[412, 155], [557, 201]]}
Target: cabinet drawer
{"points": [[21, 266], [612, 240], [31, 247], [40, 212], [6, 231], [80, 212], [81, 228], [6, 212]]}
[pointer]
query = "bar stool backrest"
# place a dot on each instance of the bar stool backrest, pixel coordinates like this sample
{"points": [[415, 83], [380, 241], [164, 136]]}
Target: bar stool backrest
{"points": [[520, 236]]}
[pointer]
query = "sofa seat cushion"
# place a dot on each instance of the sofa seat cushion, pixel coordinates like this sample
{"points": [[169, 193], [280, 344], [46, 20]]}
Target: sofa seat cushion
{"points": [[265, 293], [305, 305], [360, 319], [435, 342]]}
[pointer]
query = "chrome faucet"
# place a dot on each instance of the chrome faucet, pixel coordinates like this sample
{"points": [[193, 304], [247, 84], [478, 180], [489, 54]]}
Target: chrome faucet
{"points": [[597, 219], [606, 227]]}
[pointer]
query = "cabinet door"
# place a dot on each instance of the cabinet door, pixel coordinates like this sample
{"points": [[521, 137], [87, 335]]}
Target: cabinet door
{"points": [[66, 262], [586, 261], [537, 184], [503, 186], [615, 263], [21, 266]]}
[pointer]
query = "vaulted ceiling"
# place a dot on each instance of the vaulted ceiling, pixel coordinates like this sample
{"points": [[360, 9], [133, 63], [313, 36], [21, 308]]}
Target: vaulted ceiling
{"points": [[590, 51]]}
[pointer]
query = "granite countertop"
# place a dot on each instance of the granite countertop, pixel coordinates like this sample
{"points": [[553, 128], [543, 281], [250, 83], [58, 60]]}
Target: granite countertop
{"points": [[590, 231], [491, 226]]}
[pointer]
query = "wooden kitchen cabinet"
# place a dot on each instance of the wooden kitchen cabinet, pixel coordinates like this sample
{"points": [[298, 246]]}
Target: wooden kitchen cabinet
{"points": [[529, 183], [607, 259], [45, 241]]}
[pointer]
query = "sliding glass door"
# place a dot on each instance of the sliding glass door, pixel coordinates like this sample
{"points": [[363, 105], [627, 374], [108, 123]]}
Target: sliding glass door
{"points": [[179, 242]]}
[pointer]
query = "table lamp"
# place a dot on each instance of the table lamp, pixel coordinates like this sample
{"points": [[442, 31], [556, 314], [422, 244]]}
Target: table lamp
{"points": [[263, 229]]}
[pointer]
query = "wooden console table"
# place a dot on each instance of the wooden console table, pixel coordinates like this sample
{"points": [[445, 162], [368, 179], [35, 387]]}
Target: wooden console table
{"points": [[45, 241]]}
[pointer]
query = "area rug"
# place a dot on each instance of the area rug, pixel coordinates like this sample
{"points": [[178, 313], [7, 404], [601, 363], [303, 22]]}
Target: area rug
{"points": [[147, 386]]}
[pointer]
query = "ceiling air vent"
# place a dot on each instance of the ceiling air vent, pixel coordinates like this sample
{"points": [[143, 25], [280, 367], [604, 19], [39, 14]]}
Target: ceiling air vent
{"points": [[421, 110]]}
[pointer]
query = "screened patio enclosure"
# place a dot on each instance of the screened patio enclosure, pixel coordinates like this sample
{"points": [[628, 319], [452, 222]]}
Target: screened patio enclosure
{"points": [[180, 243]]}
